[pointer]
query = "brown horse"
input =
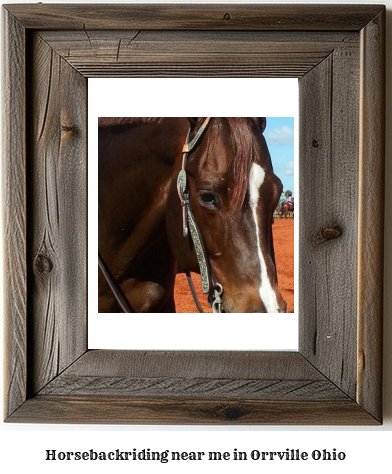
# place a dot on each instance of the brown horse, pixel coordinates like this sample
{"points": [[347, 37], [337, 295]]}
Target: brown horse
{"points": [[231, 193], [286, 209]]}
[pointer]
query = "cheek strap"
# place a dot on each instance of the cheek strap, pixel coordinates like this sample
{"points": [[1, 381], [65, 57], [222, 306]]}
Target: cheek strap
{"points": [[209, 283]]}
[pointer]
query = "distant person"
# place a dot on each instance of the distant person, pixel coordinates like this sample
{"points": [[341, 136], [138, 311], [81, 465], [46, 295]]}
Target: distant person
{"points": [[282, 199]]}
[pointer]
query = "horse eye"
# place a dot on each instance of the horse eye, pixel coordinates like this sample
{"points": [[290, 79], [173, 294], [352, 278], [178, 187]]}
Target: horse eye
{"points": [[209, 199]]}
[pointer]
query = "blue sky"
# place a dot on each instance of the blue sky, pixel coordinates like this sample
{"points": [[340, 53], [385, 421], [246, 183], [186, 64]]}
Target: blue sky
{"points": [[279, 135]]}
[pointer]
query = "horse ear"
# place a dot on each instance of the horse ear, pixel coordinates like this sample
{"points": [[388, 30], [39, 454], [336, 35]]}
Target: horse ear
{"points": [[263, 123], [192, 120]]}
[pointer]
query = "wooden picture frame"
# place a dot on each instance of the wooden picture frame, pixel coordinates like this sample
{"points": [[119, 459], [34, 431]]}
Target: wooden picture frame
{"points": [[338, 54]]}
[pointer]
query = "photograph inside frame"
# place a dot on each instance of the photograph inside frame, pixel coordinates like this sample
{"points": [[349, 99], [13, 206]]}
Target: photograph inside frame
{"points": [[196, 214]]}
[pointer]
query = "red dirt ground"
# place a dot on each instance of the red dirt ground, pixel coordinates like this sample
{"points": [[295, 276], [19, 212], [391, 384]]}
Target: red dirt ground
{"points": [[284, 252]]}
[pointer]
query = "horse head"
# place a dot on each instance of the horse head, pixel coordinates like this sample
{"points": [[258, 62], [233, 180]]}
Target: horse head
{"points": [[232, 193]]}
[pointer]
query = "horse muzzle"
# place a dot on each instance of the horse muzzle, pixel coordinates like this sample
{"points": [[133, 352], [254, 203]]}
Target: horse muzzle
{"points": [[250, 304]]}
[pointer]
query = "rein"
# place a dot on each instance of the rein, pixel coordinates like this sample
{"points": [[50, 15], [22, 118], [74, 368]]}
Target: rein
{"points": [[121, 299], [210, 285]]}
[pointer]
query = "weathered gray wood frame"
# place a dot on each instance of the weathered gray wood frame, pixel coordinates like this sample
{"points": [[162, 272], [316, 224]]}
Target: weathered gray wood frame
{"points": [[337, 52]]}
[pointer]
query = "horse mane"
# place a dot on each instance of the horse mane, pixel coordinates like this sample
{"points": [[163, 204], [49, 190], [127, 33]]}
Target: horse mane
{"points": [[242, 141], [242, 136]]}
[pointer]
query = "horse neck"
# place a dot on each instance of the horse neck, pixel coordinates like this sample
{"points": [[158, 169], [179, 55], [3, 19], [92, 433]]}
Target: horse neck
{"points": [[137, 167]]}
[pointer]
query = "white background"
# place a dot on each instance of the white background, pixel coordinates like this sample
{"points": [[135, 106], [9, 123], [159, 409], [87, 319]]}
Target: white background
{"points": [[127, 97], [22, 447]]}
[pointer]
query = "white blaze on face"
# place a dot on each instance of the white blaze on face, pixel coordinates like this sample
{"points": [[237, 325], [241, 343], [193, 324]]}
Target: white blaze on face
{"points": [[267, 294]]}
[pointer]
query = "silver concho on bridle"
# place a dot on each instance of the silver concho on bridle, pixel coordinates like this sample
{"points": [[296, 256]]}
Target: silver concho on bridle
{"points": [[209, 283]]}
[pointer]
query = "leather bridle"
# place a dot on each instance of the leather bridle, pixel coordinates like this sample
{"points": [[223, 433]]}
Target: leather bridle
{"points": [[210, 285]]}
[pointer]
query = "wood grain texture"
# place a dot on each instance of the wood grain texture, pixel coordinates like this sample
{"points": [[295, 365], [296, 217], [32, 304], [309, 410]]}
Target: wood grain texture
{"points": [[196, 53], [371, 215], [194, 17], [58, 216], [208, 364], [192, 387], [201, 387], [14, 208], [329, 197], [103, 409], [206, 374]]}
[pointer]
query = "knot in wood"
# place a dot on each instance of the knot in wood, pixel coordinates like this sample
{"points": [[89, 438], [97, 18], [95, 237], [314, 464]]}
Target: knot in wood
{"points": [[68, 128], [227, 16], [43, 264], [328, 233], [315, 143], [232, 413]]}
